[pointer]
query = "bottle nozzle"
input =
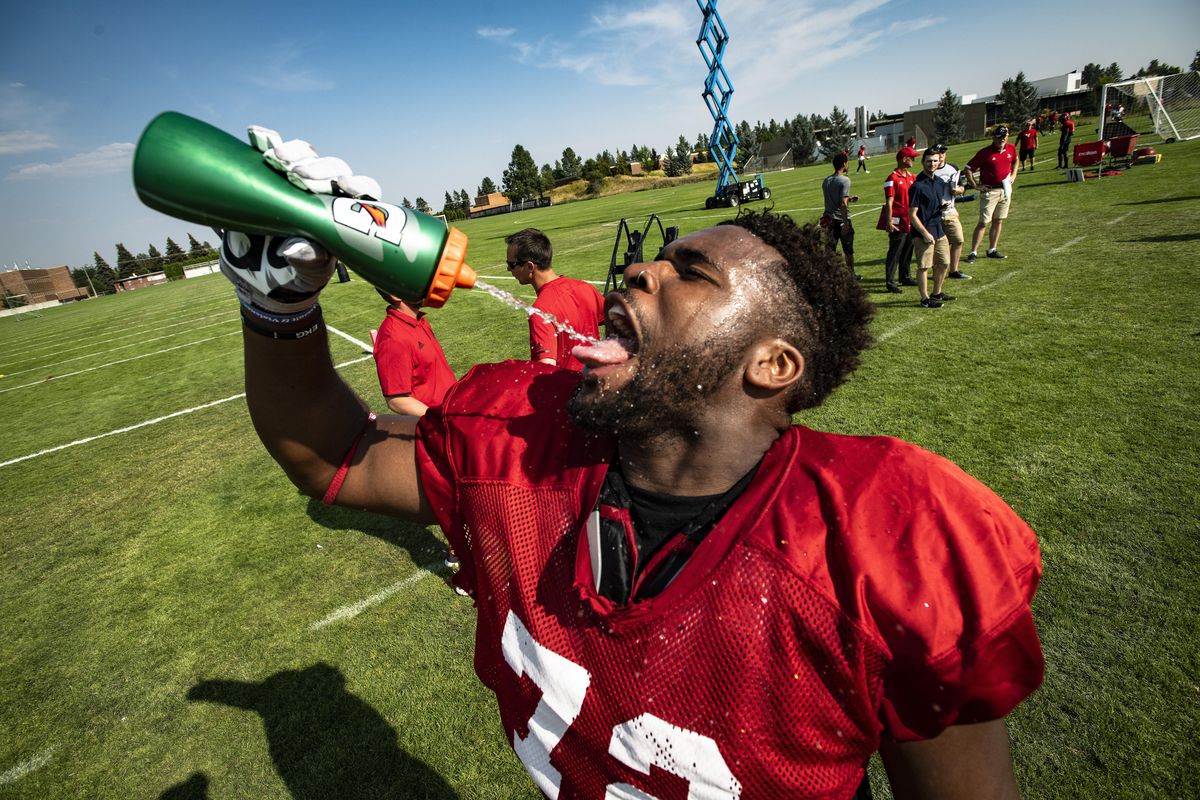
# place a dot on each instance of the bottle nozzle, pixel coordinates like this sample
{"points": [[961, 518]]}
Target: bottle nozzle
{"points": [[452, 271]]}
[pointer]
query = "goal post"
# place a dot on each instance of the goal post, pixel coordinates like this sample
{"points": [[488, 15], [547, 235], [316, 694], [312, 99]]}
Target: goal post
{"points": [[1158, 108]]}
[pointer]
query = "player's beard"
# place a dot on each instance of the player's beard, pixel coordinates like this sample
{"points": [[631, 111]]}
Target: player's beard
{"points": [[668, 393]]}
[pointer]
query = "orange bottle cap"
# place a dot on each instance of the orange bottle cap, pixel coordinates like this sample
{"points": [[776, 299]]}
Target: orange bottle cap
{"points": [[451, 272]]}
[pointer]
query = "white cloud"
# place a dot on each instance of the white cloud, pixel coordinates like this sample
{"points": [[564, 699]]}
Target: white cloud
{"points": [[496, 34], [16, 85], [109, 158], [12, 142], [280, 71]]}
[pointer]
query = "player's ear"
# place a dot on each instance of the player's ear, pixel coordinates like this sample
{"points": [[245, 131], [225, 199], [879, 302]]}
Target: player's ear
{"points": [[774, 365]]}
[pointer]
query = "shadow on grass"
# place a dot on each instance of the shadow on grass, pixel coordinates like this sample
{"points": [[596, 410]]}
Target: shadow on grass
{"points": [[421, 544], [194, 788], [1160, 200], [1166, 238], [324, 741]]}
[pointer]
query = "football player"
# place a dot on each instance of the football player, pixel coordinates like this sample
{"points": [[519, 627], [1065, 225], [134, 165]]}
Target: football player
{"points": [[678, 590]]}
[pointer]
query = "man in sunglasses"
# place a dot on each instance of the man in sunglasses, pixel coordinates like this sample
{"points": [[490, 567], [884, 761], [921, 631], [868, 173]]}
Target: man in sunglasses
{"points": [[570, 301]]}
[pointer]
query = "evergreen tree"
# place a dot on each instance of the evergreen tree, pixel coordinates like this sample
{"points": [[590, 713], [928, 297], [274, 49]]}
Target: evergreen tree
{"points": [[154, 260], [1156, 68], [487, 187], [448, 204], [701, 148], [623, 163], [1195, 65], [422, 206], [547, 180], [195, 249], [174, 254], [683, 156], [521, 178], [1019, 99], [572, 165], [406, 203], [464, 200], [141, 264], [948, 125], [803, 141], [103, 275], [594, 173], [746, 144], [126, 263], [654, 159], [671, 167], [841, 132]]}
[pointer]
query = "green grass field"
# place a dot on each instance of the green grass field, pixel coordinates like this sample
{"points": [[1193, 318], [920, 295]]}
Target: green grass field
{"points": [[177, 621]]}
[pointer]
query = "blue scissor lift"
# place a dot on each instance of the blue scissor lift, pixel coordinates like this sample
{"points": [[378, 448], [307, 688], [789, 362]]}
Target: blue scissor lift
{"points": [[718, 91]]}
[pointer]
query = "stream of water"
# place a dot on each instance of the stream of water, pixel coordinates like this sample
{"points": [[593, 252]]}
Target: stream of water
{"points": [[521, 305]]}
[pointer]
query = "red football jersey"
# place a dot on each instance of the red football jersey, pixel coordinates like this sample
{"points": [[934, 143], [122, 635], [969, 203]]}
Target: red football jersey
{"points": [[896, 187], [858, 587], [994, 165]]}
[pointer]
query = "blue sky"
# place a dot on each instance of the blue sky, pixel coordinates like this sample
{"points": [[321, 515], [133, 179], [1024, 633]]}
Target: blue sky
{"points": [[429, 97]]}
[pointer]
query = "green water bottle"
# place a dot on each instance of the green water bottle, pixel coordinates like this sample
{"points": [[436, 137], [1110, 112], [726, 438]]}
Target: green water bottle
{"points": [[188, 169]]}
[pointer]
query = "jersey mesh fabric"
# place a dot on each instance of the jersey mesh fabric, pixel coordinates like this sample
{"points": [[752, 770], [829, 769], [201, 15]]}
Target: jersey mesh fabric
{"points": [[821, 611]]}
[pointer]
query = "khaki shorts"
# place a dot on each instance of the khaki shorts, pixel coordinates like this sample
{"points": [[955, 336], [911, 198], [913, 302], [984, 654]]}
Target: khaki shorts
{"points": [[929, 255], [992, 203], [953, 228]]}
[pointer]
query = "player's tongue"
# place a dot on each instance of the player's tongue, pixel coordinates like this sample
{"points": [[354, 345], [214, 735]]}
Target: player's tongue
{"points": [[605, 351]]}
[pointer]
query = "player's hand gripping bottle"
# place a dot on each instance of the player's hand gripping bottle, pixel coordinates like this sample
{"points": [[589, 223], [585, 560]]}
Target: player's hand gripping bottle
{"points": [[188, 169]]}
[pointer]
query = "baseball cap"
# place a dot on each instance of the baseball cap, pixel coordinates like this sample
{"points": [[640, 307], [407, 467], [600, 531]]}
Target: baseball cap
{"points": [[906, 151], [939, 148], [1001, 130]]}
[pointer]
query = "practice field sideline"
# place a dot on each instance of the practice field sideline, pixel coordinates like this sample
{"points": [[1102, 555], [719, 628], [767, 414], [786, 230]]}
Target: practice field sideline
{"points": [[179, 622]]}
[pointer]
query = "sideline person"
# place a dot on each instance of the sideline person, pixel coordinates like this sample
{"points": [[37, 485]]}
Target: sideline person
{"points": [[412, 369], [570, 301], [950, 220], [862, 159], [926, 199], [836, 220], [1064, 142], [997, 166], [893, 218], [1028, 139]]}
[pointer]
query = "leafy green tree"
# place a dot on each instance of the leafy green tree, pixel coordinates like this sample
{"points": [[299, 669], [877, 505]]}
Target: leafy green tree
{"points": [[154, 260], [803, 140], [547, 180], [623, 163], [126, 263], [1156, 68], [747, 144], [486, 187], [948, 127], [521, 179], [841, 132], [594, 173], [464, 200], [174, 254], [141, 264], [572, 165], [1096, 77], [1019, 99], [701, 148]]}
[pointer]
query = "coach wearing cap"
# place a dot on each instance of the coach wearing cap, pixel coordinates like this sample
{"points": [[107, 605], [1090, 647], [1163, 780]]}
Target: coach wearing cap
{"points": [[997, 166]]}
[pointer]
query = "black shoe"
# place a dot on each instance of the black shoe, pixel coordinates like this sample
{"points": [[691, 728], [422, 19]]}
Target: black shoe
{"points": [[971, 257], [995, 254], [958, 274], [942, 297], [929, 302], [893, 288], [908, 281]]}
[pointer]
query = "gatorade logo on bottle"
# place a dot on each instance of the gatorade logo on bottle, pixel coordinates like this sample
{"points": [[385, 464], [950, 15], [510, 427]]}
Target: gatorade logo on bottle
{"points": [[376, 221]]}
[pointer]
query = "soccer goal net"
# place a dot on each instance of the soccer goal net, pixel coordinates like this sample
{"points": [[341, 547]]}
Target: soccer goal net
{"points": [[769, 162], [1161, 108]]}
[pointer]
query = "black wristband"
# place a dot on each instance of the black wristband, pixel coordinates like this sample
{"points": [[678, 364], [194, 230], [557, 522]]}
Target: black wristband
{"points": [[303, 333]]}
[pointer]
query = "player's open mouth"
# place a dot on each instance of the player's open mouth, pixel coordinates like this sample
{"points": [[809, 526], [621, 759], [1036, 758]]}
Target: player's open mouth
{"points": [[621, 342]]}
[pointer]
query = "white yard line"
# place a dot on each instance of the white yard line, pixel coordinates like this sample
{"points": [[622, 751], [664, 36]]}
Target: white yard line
{"points": [[354, 609], [1005, 278], [120, 361], [154, 421], [901, 328], [19, 771], [366, 348], [1124, 216], [1065, 245], [119, 347]]}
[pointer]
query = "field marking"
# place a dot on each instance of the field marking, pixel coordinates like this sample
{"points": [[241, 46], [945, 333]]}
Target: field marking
{"points": [[114, 349], [1065, 245], [115, 363], [366, 348], [901, 328], [18, 771], [354, 609], [915, 321], [1124, 216], [144, 424]]}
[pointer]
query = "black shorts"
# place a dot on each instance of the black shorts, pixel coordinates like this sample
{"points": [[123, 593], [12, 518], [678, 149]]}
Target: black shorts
{"points": [[843, 232], [1024, 154]]}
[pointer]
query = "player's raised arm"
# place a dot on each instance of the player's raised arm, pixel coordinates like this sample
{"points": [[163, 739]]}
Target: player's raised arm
{"points": [[310, 421]]}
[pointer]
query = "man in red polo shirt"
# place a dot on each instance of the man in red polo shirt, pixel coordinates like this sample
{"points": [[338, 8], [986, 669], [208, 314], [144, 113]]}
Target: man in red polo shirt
{"points": [[572, 302], [413, 372], [997, 166], [1064, 141], [893, 218], [1028, 139]]}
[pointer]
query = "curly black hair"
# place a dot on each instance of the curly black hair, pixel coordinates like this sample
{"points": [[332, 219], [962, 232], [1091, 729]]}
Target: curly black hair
{"points": [[821, 308]]}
